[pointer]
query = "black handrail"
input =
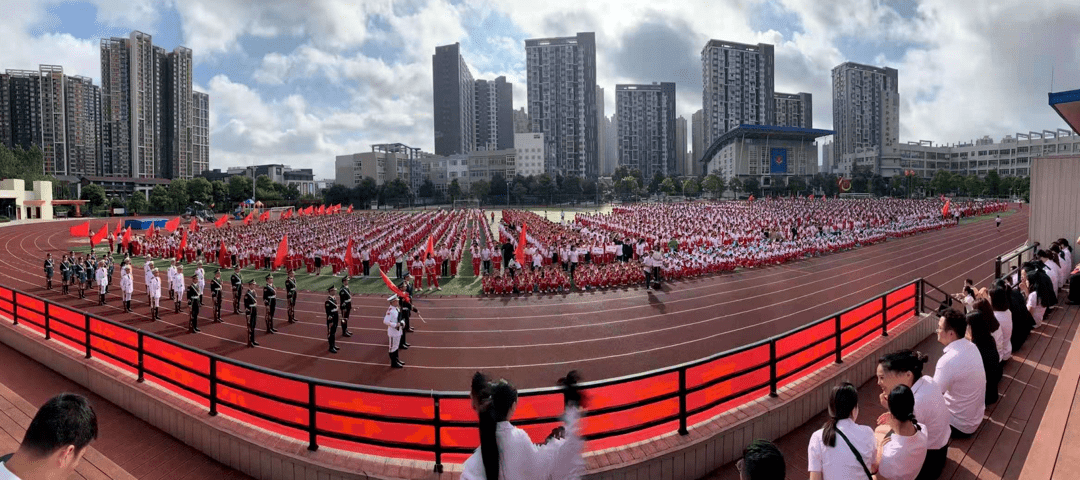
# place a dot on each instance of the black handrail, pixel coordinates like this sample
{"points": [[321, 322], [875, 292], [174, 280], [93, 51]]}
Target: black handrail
{"points": [[1007, 260], [437, 420]]}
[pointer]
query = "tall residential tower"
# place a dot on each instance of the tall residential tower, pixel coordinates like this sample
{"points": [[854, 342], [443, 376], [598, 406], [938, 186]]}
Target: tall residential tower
{"points": [[562, 101]]}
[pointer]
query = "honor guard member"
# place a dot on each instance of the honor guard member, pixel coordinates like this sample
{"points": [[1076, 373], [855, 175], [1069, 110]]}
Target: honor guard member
{"points": [[48, 271], [200, 280], [171, 274], [290, 294], [127, 285], [251, 305], [270, 300], [194, 298], [89, 267], [178, 289], [331, 318], [103, 282], [346, 306], [406, 313], [148, 270], [237, 283], [154, 287], [110, 268], [65, 274], [79, 276], [216, 294], [393, 330]]}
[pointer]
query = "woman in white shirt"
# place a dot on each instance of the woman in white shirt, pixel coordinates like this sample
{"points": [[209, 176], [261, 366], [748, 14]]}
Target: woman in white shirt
{"points": [[969, 299], [902, 450], [507, 453], [905, 367], [999, 301], [830, 457]]}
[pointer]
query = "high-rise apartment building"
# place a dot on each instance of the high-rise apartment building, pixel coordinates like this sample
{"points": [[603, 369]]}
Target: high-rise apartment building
{"points": [[697, 138], [562, 101], [146, 109], [737, 86], [200, 133], [521, 121], [20, 108], [682, 165], [601, 138], [82, 102], [494, 114], [53, 126], [176, 118], [794, 109], [453, 101], [610, 154], [866, 110], [646, 116]]}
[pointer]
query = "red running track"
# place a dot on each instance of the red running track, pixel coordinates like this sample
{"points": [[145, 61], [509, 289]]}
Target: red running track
{"points": [[532, 340]]}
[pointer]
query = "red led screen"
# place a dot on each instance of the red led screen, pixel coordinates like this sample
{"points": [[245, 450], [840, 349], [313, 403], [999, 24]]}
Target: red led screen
{"points": [[261, 382], [375, 403], [375, 430]]}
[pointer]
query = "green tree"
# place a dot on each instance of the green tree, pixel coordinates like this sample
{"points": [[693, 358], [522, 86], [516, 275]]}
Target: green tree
{"points": [[239, 188], [498, 187], [627, 186], [137, 204], [796, 185], [992, 183], [95, 194], [337, 193], [159, 198], [897, 185], [712, 184], [655, 183], [292, 192], [220, 193], [546, 188], [200, 190], [667, 186], [427, 189], [453, 190], [736, 186], [974, 185], [751, 186], [941, 183], [178, 195], [691, 187], [395, 190], [363, 193], [479, 189], [879, 186]]}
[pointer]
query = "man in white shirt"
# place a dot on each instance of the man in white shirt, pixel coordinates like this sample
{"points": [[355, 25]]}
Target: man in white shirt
{"points": [[485, 255], [960, 375], [55, 441]]}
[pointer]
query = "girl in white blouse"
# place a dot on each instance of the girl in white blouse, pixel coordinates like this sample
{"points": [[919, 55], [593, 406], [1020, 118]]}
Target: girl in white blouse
{"points": [[830, 456], [902, 449], [507, 453]]}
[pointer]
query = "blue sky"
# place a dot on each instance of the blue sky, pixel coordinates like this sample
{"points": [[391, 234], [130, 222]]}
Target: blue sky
{"points": [[300, 81]]}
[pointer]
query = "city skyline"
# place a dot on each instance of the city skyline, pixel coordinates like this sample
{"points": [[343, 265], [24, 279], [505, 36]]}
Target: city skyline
{"points": [[299, 85]]}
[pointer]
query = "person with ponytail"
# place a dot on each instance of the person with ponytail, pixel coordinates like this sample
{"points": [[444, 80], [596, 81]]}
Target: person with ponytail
{"points": [[905, 367], [507, 452], [832, 450], [902, 447]]}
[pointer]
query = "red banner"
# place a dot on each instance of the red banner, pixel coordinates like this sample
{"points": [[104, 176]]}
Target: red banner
{"points": [[172, 225], [282, 251], [221, 222], [183, 245], [392, 287], [80, 230], [100, 235]]}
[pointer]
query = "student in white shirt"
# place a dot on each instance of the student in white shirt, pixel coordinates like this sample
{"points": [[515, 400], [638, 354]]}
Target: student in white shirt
{"points": [[999, 301], [829, 456], [960, 375], [55, 441], [905, 367], [507, 452], [902, 449]]}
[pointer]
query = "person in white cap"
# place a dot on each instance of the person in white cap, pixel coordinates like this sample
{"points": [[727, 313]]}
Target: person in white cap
{"points": [[154, 286], [393, 330], [127, 286]]}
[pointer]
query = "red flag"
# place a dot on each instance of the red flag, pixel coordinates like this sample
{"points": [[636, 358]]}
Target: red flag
{"points": [[282, 251], [286, 215], [430, 250], [337, 208], [751, 198], [520, 251], [172, 225], [811, 197], [309, 209], [99, 235], [118, 229], [183, 244], [194, 225], [150, 231], [945, 209], [322, 209], [348, 255], [393, 288], [223, 254], [221, 222], [127, 237], [265, 217], [349, 210], [80, 230], [247, 219]]}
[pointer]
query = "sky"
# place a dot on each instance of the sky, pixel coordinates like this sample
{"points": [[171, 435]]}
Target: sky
{"points": [[301, 81]]}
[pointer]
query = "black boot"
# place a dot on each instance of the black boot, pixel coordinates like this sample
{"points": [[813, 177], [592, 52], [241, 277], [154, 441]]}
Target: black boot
{"points": [[157, 313], [127, 306], [394, 363], [101, 299]]}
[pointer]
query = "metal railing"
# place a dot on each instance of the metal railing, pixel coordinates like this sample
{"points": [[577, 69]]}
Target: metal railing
{"points": [[1017, 257], [430, 425]]}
